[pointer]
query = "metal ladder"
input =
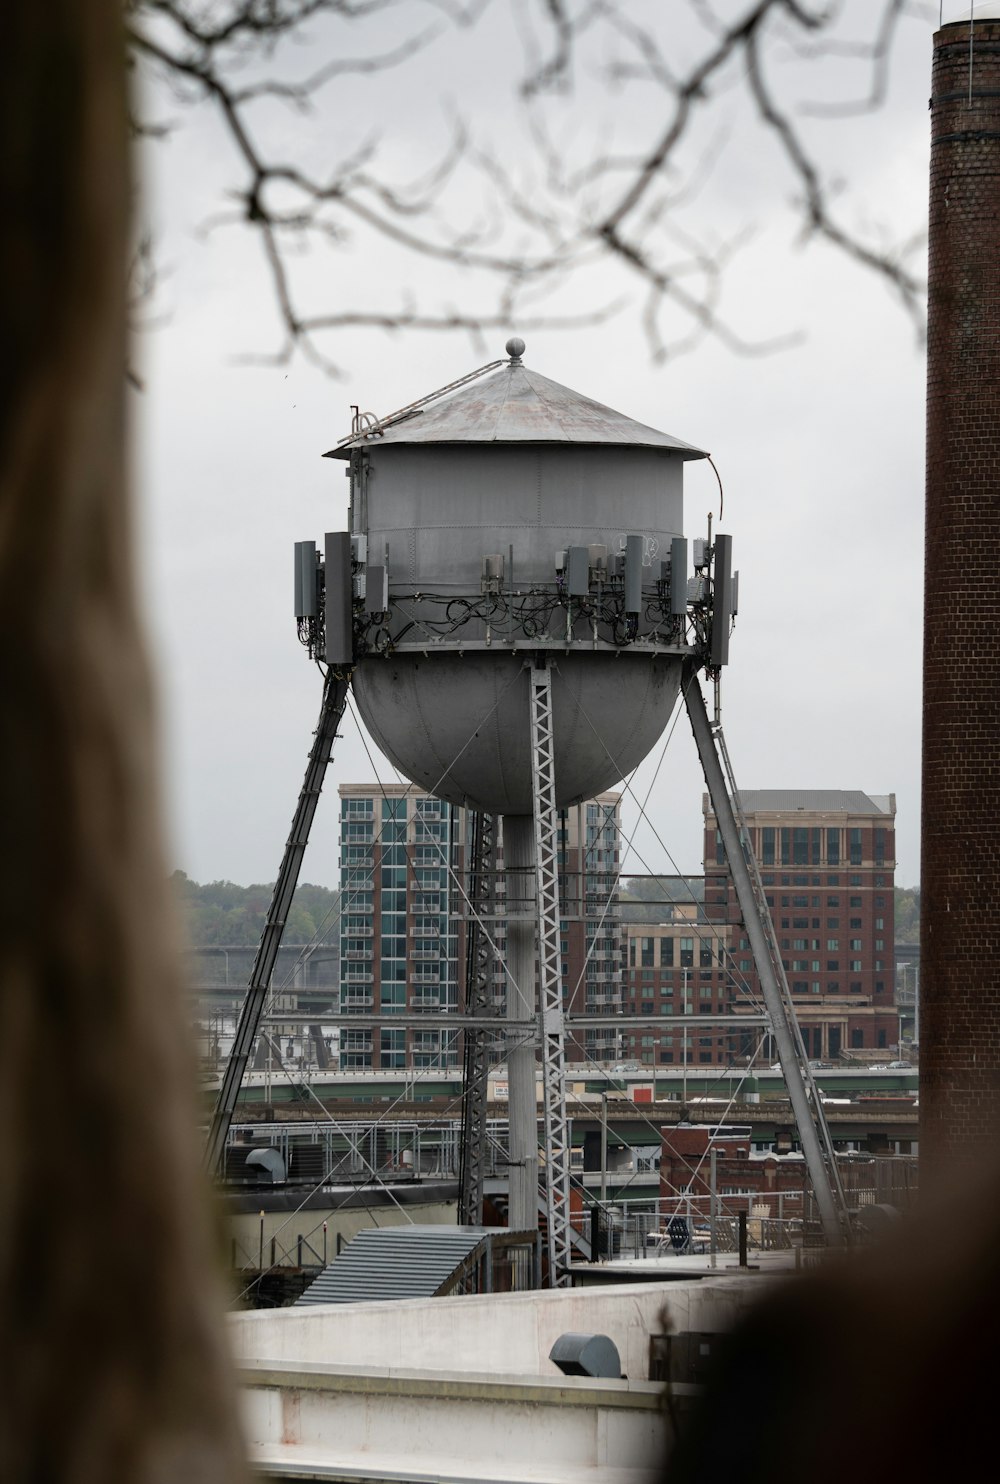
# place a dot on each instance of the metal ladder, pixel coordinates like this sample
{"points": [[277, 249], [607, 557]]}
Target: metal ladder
{"points": [[551, 1019]]}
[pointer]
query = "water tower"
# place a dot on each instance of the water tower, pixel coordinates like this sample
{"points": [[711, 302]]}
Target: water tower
{"points": [[524, 589], [515, 611]]}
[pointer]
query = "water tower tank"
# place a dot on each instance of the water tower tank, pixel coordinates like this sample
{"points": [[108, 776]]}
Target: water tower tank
{"points": [[509, 517]]}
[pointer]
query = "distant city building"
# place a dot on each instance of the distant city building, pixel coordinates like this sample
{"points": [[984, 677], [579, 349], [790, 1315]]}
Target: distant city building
{"points": [[827, 863], [680, 967], [404, 886]]}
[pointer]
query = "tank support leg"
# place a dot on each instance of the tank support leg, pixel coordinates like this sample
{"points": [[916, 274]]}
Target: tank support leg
{"points": [[551, 1023], [814, 1134], [335, 688], [478, 1003]]}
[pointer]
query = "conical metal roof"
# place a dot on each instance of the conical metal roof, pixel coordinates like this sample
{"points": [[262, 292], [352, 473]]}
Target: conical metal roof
{"points": [[512, 405]]}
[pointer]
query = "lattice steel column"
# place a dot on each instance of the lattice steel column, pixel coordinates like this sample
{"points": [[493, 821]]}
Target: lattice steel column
{"points": [[478, 1003], [335, 689], [555, 1160]]}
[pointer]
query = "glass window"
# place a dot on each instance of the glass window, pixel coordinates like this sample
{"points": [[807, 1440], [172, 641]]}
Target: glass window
{"points": [[687, 953], [767, 845], [833, 847]]}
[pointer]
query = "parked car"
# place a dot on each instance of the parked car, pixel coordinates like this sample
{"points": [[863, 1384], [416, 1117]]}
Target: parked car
{"points": [[900, 1066]]}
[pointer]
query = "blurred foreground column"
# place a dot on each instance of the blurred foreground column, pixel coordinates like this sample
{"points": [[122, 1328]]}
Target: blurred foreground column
{"points": [[113, 1362]]}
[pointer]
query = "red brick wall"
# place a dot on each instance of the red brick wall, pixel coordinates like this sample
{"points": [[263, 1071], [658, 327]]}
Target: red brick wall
{"points": [[960, 868]]}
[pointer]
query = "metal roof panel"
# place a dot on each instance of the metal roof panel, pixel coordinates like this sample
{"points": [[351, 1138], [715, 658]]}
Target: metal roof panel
{"points": [[515, 405], [395, 1262], [813, 801]]}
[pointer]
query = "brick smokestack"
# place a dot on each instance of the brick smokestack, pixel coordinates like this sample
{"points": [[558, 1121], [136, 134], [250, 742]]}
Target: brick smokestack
{"points": [[960, 806]]}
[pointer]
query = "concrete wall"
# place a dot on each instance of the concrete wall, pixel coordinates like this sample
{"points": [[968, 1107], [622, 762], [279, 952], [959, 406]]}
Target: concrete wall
{"points": [[460, 1390], [503, 1333]]}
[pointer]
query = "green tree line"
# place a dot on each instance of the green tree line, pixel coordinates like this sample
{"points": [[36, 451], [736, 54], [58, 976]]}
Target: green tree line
{"points": [[220, 912]]}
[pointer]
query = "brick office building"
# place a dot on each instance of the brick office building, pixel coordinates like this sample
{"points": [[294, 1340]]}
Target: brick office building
{"points": [[402, 938], [827, 862], [680, 967], [773, 1183]]}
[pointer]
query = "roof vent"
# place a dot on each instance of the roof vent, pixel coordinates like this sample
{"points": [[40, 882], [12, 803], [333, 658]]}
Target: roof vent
{"points": [[587, 1355]]}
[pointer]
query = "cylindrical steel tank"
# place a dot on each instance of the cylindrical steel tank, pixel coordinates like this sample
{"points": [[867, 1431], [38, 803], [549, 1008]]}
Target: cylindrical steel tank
{"points": [[472, 504]]}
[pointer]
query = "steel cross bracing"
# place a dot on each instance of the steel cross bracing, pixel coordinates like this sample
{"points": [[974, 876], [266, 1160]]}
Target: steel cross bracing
{"points": [[555, 1155], [478, 1004], [814, 1134], [335, 688]]}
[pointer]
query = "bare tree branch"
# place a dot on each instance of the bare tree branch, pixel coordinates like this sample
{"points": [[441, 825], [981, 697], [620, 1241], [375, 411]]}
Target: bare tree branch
{"points": [[538, 209]]}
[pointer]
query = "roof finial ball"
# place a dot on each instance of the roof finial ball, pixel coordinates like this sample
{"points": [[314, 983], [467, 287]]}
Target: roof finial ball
{"points": [[515, 347]]}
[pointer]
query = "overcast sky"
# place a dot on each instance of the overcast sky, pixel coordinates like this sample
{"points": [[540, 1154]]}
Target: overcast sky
{"points": [[819, 446]]}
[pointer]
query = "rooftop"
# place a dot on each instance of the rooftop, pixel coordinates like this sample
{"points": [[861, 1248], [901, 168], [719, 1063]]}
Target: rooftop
{"points": [[511, 404], [811, 801]]}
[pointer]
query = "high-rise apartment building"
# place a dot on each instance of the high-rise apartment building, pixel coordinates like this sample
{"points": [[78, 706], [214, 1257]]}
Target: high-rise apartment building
{"points": [[403, 862], [827, 863]]}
